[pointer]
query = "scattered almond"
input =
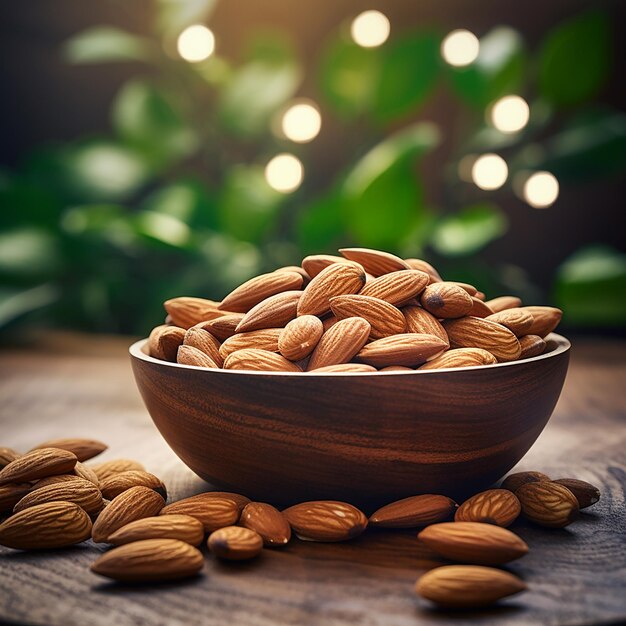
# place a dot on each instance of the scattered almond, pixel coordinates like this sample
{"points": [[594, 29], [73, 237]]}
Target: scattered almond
{"points": [[299, 338], [182, 527], [494, 506], [514, 481], [235, 543], [325, 520], [375, 262], [79, 491], [586, 493], [548, 504], [84, 449], [214, 511], [268, 522], [115, 466], [37, 464], [414, 511], [115, 484]]}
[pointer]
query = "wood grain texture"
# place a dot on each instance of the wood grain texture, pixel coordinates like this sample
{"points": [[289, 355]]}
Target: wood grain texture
{"points": [[77, 387]]}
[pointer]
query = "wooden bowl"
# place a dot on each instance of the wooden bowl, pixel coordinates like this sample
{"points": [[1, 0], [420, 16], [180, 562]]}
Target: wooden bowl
{"points": [[367, 438]]}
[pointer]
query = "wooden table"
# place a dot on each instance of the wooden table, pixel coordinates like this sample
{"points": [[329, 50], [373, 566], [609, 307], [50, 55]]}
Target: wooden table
{"points": [[70, 386]]}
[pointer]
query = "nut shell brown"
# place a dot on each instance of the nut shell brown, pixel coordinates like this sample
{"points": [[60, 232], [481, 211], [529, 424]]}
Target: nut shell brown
{"points": [[548, 504], [494, 506], [414, 511], [586, 493], [326, 520], [235, 543], [268, 521]]}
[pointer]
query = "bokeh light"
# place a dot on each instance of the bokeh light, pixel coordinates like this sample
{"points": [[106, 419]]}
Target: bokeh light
{"points": [[301, 122], [196, 43], [284, 173], [370, 29], [510, 114], [541, 190], [460, 48], [489, 171]]}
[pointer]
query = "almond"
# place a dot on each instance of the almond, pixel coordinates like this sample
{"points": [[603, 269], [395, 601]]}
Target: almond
{"points": [[257, 289], [38, 464], [235, 543], [182, 527], [84, 449], [46, 526], [344, 367], [517, 320], [259, 360], [222, 327], [514, 481], [503, 302], [273, 312], [375, 262], [473, 542], [479, 308], [315, 263], [336, 280], [298, 339], [340, 343], [420, 321], [494, 506], [264, 339], [268, 522], [112, 486], [446, 300], [132, 504], [108, 468], [424, 266], [328, 321], [471, 290], [11, 494], [548, 504], [56, 480], [187, 311], [414, 511], [384, 318], [585, 493], [296, 268], [410, 349], [83, 471], [460, 357], [325, 520], [79, 491], [397, 288], [475, 332], [532, 345], [7, 455], [150, 560], [204, 341], [396, 368], [467, 586], [545, 319], [163, 342], [214, 511], [188, 355]]}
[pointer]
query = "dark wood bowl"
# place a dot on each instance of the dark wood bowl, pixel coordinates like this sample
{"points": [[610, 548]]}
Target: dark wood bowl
{"points": [[367, 438]]}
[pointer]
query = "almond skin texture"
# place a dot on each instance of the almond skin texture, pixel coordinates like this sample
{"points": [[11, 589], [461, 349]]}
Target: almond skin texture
{"points": [[384, 318], [532, 345], [375, 262], [115, 466], [38, 464], [396, 368], [473, 542], [336, 280], [257, 289], [181, 527], [268, 522], [56, 480], [212, 510], [494, 506], [46, 526], [235, 543], [340, 343], [84, 471], [514, 481], [446, 300], [84, 449], [315, 263], [585, 493], [11, 494], [265, 339], [424, 266], [204, 341], [325, 520], [298, 270], [344, 367], [299, 338], [164, 341], [545, 319], [132, 504], [517, 320], [467, 586], [188, 355], [466, 286], [503, 302], [150, 560], [259, 360], [420, 321], [479, 308], [7, 455], [78, 491], [409, 349], [112, 486], [273, 312], [187, 311], [222, 327], [461, 357], [414, 511], [475, 332], [548, 504], [396, 288]]}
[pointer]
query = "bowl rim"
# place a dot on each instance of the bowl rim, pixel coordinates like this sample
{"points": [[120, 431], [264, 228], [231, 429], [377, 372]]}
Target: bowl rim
{"points": [[562, 345]]}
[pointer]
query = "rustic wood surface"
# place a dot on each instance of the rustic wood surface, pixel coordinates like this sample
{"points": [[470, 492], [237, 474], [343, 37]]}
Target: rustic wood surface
{"points": [[83, 387]]}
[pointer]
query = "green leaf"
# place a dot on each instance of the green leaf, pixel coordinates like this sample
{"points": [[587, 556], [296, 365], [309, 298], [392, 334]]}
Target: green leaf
{"points": [[410, 67], [162, 229], [469, 230], [497, 71], [105, 44], [173, 16], [15, 303], [591, 288], [320, 225], [28, 253], [575, 59]]}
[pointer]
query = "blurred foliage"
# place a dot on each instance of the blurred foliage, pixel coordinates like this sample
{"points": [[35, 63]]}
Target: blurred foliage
{"points": [[98, 232]]}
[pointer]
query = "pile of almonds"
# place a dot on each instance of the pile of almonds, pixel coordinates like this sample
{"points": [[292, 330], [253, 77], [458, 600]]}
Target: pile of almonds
{"points": [[365, 311], [54, 500]]}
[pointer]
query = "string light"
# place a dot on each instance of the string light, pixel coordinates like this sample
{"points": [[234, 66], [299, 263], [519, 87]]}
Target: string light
{"points": [[510, 114], [489, 171], [284, 173], [541, 190], [196, 43], [370, 29], [460, 48], [301, 122]]}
